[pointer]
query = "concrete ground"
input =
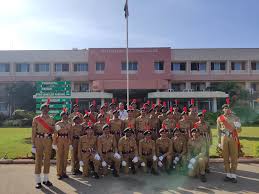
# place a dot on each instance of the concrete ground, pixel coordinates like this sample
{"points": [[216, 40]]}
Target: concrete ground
{"points": [[19, 179]]}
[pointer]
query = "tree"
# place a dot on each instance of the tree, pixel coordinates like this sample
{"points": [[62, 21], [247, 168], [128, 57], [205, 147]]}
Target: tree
{"points": [[20, 96]]}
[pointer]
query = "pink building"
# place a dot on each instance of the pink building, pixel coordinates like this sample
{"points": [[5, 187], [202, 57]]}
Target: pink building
{"points": [[155, 73]]}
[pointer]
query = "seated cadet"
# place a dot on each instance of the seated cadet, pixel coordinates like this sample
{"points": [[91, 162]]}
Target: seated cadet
{"points": [[147, 152], [107, 149], [179, 150], [87, 153], [197, 155], [77, 131], [61, 143], [164, 149], [129, 151]]}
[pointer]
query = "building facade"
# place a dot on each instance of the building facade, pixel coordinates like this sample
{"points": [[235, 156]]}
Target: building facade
{"points": [[154, 73]]}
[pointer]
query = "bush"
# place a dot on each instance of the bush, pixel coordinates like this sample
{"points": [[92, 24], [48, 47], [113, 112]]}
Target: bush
{"points": [[2, 118], [246, 114], [26, 116], [211, 117]]}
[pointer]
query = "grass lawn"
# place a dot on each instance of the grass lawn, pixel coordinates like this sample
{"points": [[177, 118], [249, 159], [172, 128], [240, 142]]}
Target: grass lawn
{"points": [[16, 143]]}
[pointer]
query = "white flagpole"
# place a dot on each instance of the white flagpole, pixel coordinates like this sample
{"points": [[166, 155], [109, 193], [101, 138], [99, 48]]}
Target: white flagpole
{"points": [[127, 57]]}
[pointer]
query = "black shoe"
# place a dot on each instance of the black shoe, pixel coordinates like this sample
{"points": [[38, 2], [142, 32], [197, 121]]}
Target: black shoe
{"points": [[115, 173], [38, 186], [168, 171], [155, 173], [60, 177], [47, 183], [96, 176], [134, 170], [203, 178], [79, 172], [74, 173], [65, 176], [207, 170], [233, 180], [227, 179]]}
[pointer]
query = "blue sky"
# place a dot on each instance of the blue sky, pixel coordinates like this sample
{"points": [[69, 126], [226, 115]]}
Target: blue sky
{"points": [[67, 24]]}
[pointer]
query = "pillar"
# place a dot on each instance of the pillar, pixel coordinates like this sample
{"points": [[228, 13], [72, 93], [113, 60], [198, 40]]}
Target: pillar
{"points": [[214, 105]]}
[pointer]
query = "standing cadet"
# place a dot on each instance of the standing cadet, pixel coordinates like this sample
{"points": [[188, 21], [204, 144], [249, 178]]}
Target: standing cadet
{"points": [[42, 130], [87, 152], [164, 149], [205, 132], [77, 131], [136, 112], [177, 115], [185, 124], [155, 122], [107, 149], [142, 122], [163, 111], [99, 125], [228, 126], [112, 108], [129, 151], [93, 114], [74, 113], [147, 152], [169, 122], [192, 116], [197, 155], [61, 143], [130, 121], [179, 150], [116, 125]]}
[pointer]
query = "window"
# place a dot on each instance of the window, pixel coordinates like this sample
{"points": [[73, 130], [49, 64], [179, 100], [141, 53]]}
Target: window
{"points": [[237, 66], [198, 86], [81, 87], [133, 66], [178, 86], [3, 107], [4, 67], [178, 66], [80, 67], [61, 67], [198, 66], [218, 66], [22, 67], [42, 67], [100, 66], [159, 65], [255, 65]]}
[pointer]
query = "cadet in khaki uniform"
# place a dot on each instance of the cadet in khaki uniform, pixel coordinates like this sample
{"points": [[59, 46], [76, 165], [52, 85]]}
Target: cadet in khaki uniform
{"points": [[177, 115], [228, 126], [179, 150], [155, 123], [147, 152], [136, 112], [197, 155], [61, 143], [129, 151], [87, 152], [169, 122], [163, 115], [192, 116], [107, 149], [99, 125], [92, 114], [75, 112], [130, 121], [205, 132], [112, 108], [42, 130], [142, 122], [116, 125], [185, 124], [164, 149], [77, 131]]}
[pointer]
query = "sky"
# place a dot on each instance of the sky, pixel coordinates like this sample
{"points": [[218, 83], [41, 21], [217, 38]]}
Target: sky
{"points": [[67, 24]]}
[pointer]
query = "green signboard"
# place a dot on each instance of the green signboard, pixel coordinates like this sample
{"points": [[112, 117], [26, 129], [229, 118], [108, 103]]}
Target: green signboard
{"points": [[53, 89]]}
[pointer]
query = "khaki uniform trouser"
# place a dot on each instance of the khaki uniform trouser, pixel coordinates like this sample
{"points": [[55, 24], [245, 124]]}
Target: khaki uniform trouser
{"points": [[87, 158], [74, 153], [199, 167], [148, 159], [229, 150], [62, 155], [109, 159], [43, 151], [128, 159]]}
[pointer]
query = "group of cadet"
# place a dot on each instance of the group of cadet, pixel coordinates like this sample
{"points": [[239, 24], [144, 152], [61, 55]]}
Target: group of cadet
{"points": [[152, 139]]}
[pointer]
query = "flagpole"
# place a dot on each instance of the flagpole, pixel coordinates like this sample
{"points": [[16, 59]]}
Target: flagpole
{"points": [[127, 57]]}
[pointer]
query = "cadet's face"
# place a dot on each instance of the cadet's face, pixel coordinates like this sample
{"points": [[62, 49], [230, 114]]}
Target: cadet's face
{"points": [[45, 110], [76, 109], [106, 131], [64, 116], [134, 106], [77, 121], [226, 110], [163, 134], [148, 136], [195, 134], [130, 113], [128, 134], [170, 116], [90, 132], [176, 133], [102, 111], [116, 115]]}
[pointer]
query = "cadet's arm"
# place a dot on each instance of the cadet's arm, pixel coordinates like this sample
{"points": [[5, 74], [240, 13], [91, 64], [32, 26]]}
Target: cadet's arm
{"points": [[114, 144], [140, 149], [80, 150], [154, 149], [33, 134], [120, 147], [219, 131], [135, 148]]}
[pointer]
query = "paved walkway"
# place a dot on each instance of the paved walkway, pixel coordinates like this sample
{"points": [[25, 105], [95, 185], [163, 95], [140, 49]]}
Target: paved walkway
{"points": [[19, 179]]}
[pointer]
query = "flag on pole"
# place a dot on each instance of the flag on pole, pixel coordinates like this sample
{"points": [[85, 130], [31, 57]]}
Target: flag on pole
{"points": [[126, 9]]}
